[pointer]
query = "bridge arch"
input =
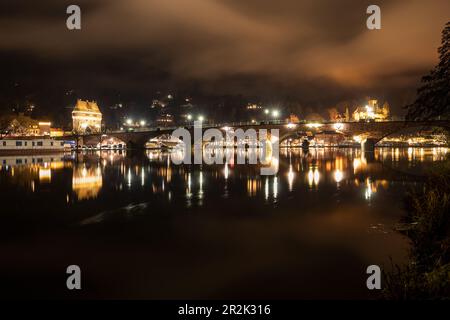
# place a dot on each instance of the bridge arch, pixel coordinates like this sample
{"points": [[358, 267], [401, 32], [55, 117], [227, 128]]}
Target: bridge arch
{"points": [[297, 134], [292, 134], [411, 126], [111, 142]]}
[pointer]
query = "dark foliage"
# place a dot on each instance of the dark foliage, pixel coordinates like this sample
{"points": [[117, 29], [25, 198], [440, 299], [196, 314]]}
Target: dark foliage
{"points": [[427, 275], [433, 97]]}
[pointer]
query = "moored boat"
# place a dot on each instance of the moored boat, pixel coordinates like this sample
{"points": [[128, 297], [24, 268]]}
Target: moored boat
{"points": [[25, 145]]}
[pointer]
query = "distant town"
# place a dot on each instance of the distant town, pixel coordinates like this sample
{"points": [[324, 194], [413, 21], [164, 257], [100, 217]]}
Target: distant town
{"points": [[87, 118]]}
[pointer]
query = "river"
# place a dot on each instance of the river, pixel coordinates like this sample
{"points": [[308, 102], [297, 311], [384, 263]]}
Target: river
{"points": [[141, 227]]}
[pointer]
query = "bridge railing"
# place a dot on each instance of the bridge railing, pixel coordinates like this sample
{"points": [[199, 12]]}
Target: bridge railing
{"points": [[259, 123], [191, 125]]}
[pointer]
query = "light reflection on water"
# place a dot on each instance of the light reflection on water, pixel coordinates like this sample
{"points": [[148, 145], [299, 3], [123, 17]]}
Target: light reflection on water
{"points": [[154, 172], [326, 211]]}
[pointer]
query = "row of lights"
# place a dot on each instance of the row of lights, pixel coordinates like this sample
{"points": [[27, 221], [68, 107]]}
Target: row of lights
{"points": [[130, 122], [142, 123], [275, 113], [199, 118]]}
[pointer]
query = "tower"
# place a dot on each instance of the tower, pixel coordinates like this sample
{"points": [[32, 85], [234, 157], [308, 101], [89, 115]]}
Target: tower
{"points": [[86, 117]]}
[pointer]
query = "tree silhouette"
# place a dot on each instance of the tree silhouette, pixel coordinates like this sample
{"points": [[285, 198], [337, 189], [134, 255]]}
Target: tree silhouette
{"points": [[433, 97]]}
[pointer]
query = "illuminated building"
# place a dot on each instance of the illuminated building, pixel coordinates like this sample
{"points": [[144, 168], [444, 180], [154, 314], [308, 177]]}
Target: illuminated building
{"points": [[165, 120], [253, 106], [372, 112], [158, 104], [44, 128], [56, 132], [23, 126], [293, 118], [86, 117]]}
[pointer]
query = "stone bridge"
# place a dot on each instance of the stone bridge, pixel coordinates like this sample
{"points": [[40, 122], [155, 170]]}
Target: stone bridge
{"points": [[370, 133]]}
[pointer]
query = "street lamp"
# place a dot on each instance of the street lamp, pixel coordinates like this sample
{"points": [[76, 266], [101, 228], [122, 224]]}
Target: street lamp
{"points": [[189, 117], [275, 113], [267, 111], [142, 123], [129, 122], [201, 118]]}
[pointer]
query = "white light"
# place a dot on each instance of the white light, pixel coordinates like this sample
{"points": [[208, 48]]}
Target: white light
{"points": [[201, 118], [266, 111], [226, 171], [291, 176], [189, 117], [310, 177], [314, 125], [142, 123], [129, 121], [275, 187], [291, 125], [368, 192], [275, 113], [338, 175], [316, 176], [370, 112]]}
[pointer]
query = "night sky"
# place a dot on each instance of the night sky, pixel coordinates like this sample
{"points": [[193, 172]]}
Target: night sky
{"points": [[315, 53]]}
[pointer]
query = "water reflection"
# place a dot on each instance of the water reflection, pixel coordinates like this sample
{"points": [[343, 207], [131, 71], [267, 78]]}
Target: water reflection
{"points": [[86, 181], [155, 173], [333, 207], [291, 177], [253, 186], [313, 177], [31, 171], [338, 176]]}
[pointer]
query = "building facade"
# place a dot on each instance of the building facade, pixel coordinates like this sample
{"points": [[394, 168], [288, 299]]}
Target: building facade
{"points": [[86, 117], [372, 111], [23, 126]]}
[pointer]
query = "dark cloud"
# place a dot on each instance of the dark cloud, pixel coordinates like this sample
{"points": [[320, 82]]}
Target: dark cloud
{"points": [[315, 50]]}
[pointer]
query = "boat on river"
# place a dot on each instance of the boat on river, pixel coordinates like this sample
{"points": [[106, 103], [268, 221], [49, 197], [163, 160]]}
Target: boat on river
{"points": [[30, 145]]}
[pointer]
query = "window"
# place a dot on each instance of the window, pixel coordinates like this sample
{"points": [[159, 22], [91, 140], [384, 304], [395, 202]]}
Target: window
{"points": [[18, 143], [62, 144], [39, 143], [33, 143], [4, 143], [26, 143], [51, 143], [18, 161]]}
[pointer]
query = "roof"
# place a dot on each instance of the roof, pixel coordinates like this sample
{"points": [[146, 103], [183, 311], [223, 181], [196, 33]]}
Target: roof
{"points": [[86, 106]]}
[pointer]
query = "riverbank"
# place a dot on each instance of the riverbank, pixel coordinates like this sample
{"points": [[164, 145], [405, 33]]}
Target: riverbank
{"points": [[427, 225]]}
